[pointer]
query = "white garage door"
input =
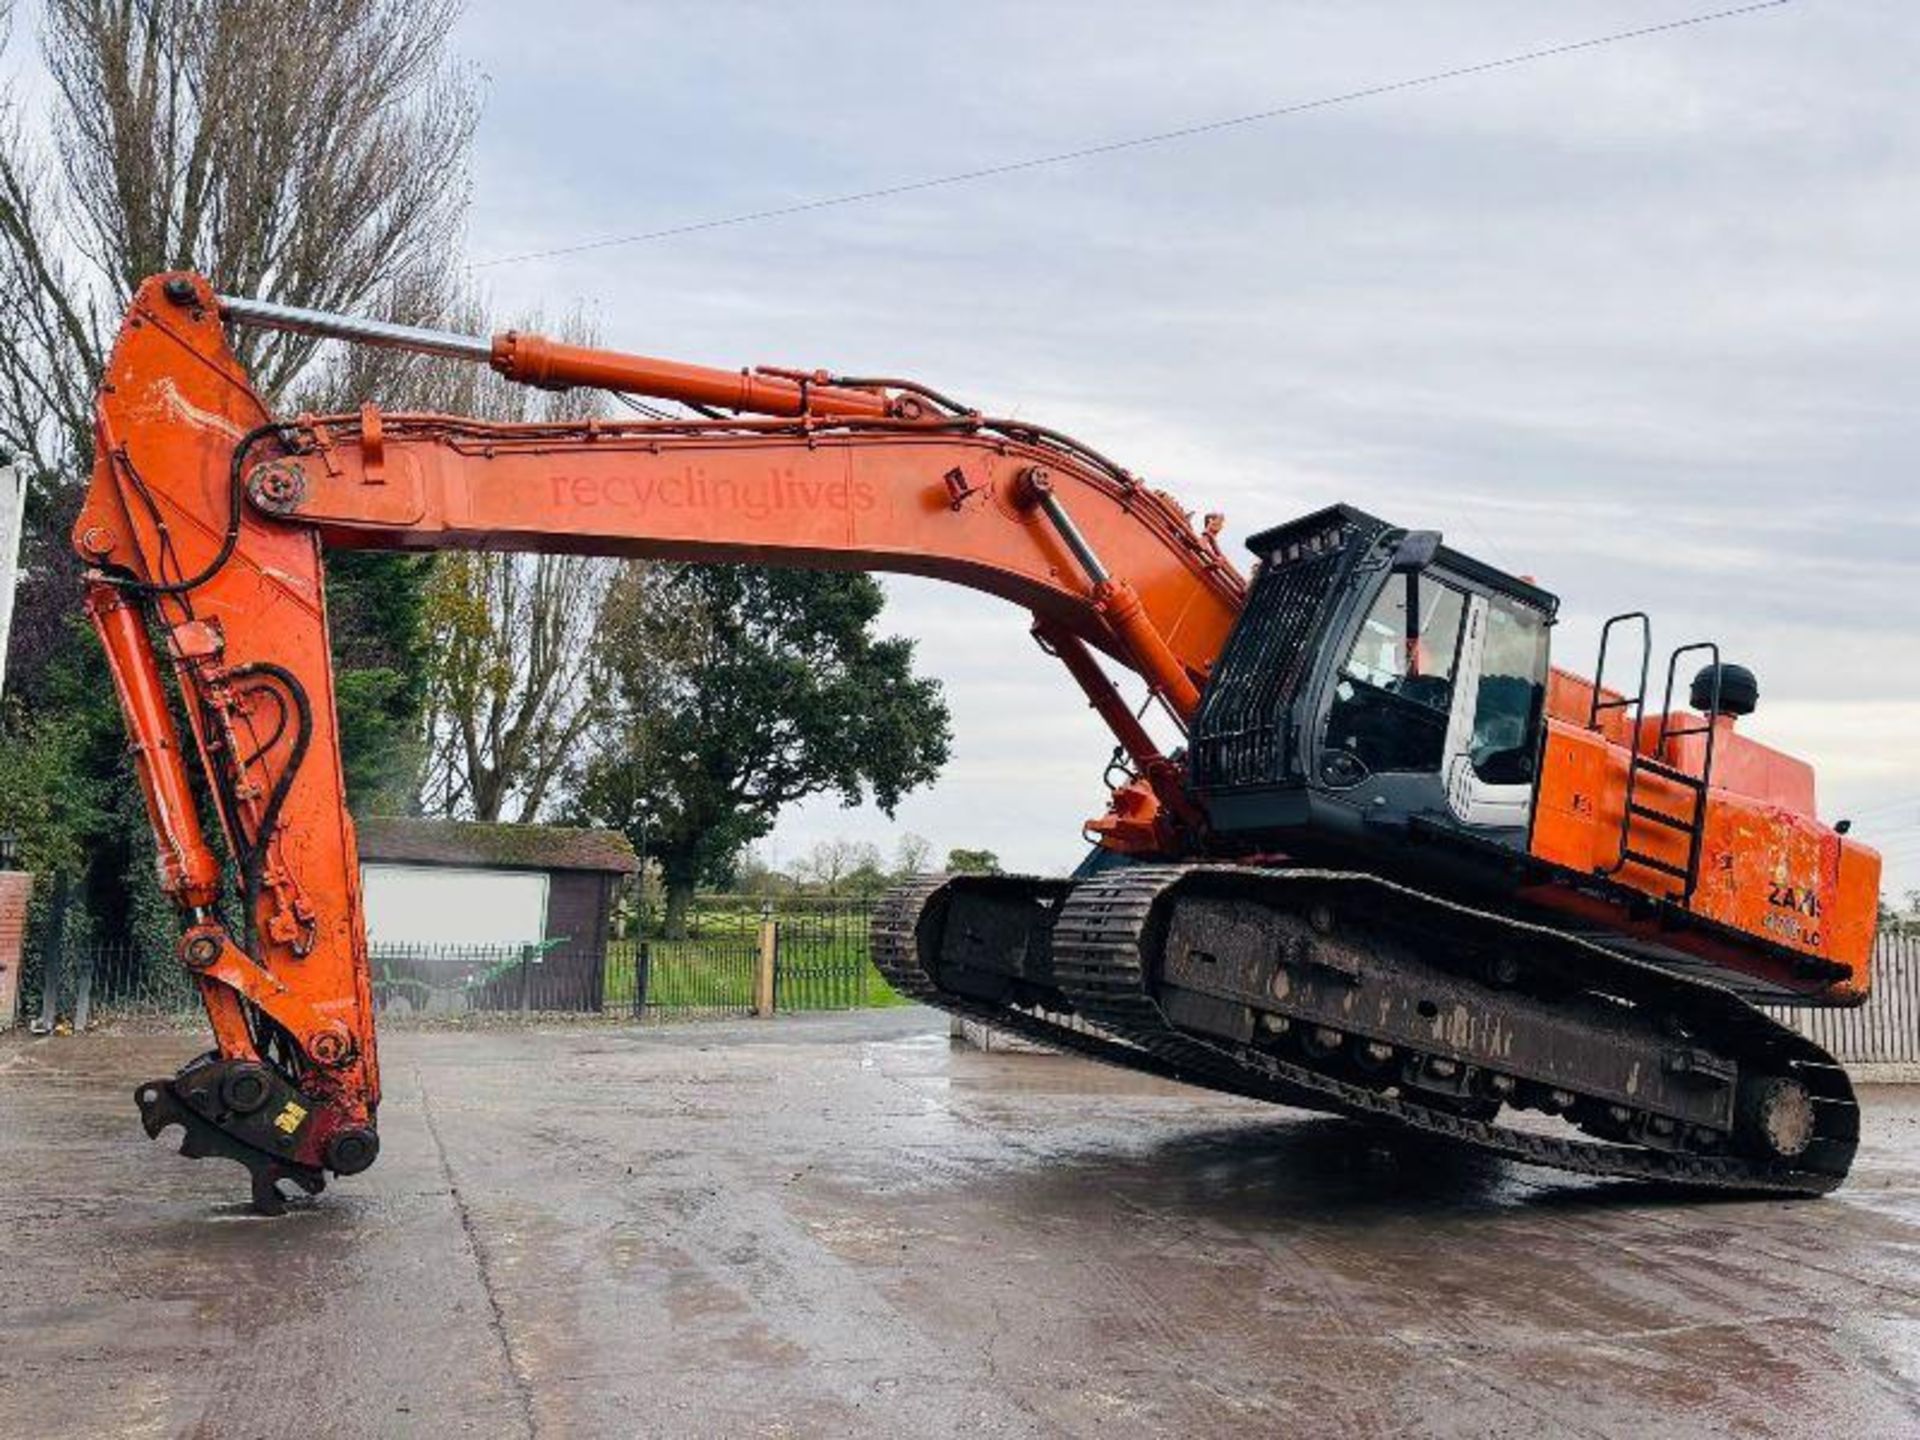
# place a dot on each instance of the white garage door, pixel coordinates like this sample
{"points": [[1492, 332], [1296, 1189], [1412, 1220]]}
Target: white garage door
{"points": [[418, 905]]}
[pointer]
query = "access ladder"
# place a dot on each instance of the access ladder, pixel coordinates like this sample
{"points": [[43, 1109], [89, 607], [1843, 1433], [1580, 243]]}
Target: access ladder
{"points": [[1652, 760]]}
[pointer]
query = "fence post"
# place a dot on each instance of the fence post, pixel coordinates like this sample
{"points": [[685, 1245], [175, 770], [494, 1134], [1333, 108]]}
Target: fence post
{"points": [[54, 964], [642, 976], [767, 959], [83, 993], [526, 978]]}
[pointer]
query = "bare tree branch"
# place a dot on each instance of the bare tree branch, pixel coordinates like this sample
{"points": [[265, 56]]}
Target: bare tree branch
{"points": [[517, 674], [306, 151]]}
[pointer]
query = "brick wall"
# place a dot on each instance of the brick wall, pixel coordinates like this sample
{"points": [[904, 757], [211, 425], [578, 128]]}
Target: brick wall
{"points": [[15, 890]]}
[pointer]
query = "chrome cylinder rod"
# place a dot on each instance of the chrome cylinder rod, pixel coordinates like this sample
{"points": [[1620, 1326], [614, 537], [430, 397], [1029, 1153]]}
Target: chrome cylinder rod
{"points": [[265, 315], [1063, 522]]}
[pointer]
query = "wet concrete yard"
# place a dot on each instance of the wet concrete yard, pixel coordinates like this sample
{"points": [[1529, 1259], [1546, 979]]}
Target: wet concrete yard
{"points": [[841, 1226]]}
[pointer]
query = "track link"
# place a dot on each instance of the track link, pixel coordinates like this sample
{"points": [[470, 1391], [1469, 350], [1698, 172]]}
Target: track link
{"points": [[1101, 947]]}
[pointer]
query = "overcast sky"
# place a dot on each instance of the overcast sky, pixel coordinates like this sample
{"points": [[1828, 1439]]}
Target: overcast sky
{"points": [[1639, 321]]}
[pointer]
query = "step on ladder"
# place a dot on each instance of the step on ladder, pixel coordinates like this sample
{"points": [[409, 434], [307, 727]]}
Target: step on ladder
{"points": [[1641, 761]]}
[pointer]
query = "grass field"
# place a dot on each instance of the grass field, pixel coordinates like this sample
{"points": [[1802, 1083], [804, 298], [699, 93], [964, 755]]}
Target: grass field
{"points": [[714, 972]]}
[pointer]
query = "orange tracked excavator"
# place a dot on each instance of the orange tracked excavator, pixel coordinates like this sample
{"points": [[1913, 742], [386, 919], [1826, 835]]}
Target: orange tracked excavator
{"points": [[1401, 868]]}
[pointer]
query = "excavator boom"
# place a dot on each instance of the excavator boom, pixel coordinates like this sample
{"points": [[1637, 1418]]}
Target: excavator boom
{"points": [[204, 530]]}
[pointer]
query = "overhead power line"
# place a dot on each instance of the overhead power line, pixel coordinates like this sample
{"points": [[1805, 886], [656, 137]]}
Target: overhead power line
{"points": [[1137, 142]]}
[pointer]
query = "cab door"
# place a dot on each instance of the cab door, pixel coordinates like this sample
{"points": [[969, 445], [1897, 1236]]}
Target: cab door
{"points": [[1493, 732]]}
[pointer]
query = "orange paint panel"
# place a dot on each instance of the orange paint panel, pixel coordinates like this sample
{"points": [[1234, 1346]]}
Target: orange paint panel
{"points": [[1767, 869], [874, 498], [1566, 827], [1741, 764], [1853, 916], [1570, 698]]}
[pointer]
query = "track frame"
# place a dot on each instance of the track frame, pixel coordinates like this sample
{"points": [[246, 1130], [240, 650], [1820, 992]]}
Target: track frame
{"points": [[1087, 982]]}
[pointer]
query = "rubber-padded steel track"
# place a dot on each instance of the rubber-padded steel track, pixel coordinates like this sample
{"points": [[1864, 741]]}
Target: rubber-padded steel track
{"points": [[1101, 960], [896, 946]]}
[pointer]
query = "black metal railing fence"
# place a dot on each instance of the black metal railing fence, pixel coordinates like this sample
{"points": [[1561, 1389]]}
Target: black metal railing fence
{"points": [[703, 977], [823, 958], [819, 960], [84, 982], [445, 981], [817, 946]]}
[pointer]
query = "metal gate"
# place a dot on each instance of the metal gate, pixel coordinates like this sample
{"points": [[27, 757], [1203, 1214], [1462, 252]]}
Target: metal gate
{"points": [[705, 977], [822, 955]]}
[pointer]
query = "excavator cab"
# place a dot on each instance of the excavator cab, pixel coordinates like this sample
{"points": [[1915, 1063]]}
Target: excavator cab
{"points": [[1378, 684]]}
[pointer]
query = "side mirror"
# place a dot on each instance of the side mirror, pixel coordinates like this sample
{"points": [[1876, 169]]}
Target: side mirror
{"points": [[1415, 551]]}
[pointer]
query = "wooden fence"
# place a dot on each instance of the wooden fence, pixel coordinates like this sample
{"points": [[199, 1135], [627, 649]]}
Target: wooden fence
{"points": [[1885, 1030]]}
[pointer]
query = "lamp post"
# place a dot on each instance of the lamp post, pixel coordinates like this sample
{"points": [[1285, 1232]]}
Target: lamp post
{"points": [[640, 886]]}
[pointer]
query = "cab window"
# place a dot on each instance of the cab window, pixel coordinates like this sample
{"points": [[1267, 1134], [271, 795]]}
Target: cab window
{"points": [[1395, 691], [1512, 693]]}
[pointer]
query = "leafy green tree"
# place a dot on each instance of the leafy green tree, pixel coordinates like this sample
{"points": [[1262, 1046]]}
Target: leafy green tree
{"points": [[753, 875], [831, 864], [514, 680], [973, 862], [376, 609], [867, 881], [738, 691], [1908, 923], [47, 799]]}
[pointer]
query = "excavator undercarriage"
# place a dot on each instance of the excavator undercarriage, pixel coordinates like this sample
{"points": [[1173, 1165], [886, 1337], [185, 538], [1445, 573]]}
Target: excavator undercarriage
{"points": [[1349, 994]]}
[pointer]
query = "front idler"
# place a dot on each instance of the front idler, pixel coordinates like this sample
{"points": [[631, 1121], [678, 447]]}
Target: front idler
{"points": [[1774, 1117]]}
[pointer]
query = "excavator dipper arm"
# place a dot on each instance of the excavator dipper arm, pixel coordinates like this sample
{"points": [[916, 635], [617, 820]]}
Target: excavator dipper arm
{"points": [[204, 530]]}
